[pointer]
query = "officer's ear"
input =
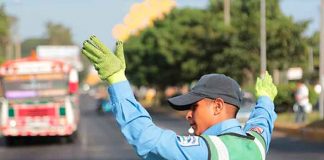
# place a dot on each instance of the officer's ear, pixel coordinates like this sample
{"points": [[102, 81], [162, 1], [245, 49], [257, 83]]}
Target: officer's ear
{"points": [[218, 105]]}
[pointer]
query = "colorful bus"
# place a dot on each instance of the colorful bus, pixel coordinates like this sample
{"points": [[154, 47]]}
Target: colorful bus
{"points": [[39, 97]]}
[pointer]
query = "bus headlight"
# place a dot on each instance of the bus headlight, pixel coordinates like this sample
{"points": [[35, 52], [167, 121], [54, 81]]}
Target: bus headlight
{"points": [[12, 123]]}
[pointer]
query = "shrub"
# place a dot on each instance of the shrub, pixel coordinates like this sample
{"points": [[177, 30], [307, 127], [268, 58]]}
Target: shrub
{"points": [[285, 97]]}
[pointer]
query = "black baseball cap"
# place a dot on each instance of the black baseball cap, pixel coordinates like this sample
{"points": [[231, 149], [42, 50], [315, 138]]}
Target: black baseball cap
{"points": [[209, 86]]}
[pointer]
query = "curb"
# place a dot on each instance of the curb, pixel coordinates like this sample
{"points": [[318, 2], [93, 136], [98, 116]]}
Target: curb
{"points": [[313, 134], [301, 131]]}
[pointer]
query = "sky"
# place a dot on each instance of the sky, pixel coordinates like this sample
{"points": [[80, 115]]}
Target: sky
{"points": [[98, 17]]}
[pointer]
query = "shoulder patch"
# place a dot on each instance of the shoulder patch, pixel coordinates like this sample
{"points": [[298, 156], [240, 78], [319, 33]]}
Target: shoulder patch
{"points": [[257, 129], [187, 141]]}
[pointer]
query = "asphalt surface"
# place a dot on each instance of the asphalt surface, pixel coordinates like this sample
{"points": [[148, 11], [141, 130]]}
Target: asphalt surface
{"points": [[291, 148], [99, 138]]}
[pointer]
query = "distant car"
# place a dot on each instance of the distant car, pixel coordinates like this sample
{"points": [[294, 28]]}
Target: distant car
{"points": [[247, 106], [103, 106]]}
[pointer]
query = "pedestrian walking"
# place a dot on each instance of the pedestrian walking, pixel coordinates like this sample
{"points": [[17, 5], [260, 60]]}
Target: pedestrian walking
{"points": [[302, 105]]}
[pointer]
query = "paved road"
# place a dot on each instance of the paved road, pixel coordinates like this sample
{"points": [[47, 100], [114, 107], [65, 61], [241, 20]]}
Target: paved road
{"points": [[290, 148], [100, 138]]}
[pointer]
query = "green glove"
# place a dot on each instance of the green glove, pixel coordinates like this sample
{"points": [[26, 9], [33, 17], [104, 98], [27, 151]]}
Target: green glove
{"points": [[265, 87], [111, 67]]}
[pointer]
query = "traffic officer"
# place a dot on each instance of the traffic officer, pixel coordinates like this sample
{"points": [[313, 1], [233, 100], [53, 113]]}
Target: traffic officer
{"points": [[212, 105]]}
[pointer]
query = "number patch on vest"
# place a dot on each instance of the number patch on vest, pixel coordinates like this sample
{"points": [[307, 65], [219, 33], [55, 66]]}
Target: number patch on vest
{"points": [[257, 129], [187, 141]]}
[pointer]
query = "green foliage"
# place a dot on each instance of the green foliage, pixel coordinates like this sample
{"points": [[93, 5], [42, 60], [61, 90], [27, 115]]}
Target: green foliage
{"points": [[2, 59], [191, 42], [5, 23], [285, 100], [171, 46], [58, 34], [30, 44], [313, 96]]}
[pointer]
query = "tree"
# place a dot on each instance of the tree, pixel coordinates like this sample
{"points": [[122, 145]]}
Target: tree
{"points": [[4, 32], [191, 42], [30, 44], [58, 34], [162, 55], [284, 38]]}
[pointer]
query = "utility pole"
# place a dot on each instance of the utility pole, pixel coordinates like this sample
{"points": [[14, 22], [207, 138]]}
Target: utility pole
{"points": [[9, 50], [311, 60], [321, 74], [15, 39], [227, 12], [263, 49], [17, 49]]}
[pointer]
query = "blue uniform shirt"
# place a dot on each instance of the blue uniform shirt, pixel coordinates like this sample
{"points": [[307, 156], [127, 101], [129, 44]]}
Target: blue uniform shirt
{"points": [[152, 142]]}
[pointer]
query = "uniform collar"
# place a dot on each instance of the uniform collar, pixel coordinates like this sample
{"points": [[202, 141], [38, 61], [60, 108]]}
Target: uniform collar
{"points": [[227, 126]]}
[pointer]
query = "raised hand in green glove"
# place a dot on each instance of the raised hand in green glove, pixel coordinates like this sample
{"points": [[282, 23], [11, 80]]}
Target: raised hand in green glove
{"points": [[265, 87], [111, 67]]}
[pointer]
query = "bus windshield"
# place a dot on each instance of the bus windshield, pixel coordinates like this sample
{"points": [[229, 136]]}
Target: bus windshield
{"points": [[35, 86]]}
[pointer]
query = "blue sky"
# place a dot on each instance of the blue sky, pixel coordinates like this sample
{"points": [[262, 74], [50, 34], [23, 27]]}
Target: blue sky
{"points": [[85, 17]]}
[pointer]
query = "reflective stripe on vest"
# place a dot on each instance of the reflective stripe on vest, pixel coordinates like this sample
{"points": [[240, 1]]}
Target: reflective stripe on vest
{"points": [[234, 146], [260, 145], [222, 151]]}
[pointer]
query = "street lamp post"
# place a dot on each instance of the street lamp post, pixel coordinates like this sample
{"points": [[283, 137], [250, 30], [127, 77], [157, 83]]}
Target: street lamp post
{"points": [[311, 60], [227, 12], [321, 74], [263, 36]]}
